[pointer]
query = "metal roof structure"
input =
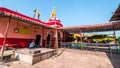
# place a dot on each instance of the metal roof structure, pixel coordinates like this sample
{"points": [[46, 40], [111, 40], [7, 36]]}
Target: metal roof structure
{"points": [[116, 15], [93, 28]]}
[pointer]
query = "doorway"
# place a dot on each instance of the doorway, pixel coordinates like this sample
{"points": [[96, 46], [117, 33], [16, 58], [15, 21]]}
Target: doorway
{"points": [[38, 40]]}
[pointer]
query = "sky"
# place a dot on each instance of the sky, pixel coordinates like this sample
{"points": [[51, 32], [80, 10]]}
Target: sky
{"points": [[70, 12]]}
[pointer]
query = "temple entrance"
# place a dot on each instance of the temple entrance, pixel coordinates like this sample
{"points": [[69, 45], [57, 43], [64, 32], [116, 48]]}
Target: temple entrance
{"points": [[38, 40], [50, 40]]}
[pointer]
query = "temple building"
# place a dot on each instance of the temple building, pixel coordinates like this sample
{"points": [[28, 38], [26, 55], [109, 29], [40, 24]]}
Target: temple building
{"points": [[18, 29]]}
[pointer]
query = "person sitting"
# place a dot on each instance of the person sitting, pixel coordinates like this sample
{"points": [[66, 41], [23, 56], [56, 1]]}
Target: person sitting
{"points": [[32, 44]]}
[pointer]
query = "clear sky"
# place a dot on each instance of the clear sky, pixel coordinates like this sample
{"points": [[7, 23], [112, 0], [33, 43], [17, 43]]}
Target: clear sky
{"points": [[70, 12]]}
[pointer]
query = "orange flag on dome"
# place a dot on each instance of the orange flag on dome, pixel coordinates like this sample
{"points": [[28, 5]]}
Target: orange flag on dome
{"points": [[38, 14]]}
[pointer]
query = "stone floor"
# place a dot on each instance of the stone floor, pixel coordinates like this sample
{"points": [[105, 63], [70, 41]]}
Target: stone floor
{"points": [[72, 58]]}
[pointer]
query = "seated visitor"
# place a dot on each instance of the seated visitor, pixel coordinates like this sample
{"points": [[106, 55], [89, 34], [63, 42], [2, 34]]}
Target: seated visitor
{"points": [[32, 44]]}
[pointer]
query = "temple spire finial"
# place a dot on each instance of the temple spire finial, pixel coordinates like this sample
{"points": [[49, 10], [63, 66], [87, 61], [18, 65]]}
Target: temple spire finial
{"points": [[53, 14]]}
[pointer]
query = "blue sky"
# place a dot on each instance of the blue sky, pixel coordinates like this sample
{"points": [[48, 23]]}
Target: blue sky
{"points": [[70, 12]]}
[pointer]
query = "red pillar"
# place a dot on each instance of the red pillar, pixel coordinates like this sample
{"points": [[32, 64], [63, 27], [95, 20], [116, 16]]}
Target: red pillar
{"points": [[56, 39]]}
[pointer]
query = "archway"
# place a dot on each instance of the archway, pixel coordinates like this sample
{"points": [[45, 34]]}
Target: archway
{"points": [[50, 40]]}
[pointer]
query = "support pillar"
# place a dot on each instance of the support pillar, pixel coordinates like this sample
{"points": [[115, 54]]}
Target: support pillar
{"points": [[56, 40], [114, 34], [6, 33]]}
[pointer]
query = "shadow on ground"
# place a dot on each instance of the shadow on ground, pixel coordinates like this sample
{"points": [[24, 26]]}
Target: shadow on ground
{"points": [[115, 59]]}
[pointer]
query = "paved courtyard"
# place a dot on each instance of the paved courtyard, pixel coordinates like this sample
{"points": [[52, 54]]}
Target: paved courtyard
{"points": [[72, 58]]}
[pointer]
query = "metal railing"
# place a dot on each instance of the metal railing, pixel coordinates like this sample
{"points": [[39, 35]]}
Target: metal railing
{"points": [[96, 46]]}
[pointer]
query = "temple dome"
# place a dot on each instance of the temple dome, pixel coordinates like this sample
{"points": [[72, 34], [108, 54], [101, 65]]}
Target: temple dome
{"points": [[53, 21]]}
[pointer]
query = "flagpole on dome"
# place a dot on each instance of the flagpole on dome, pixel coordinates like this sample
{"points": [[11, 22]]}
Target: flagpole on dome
{"points": [[35, 10]]}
